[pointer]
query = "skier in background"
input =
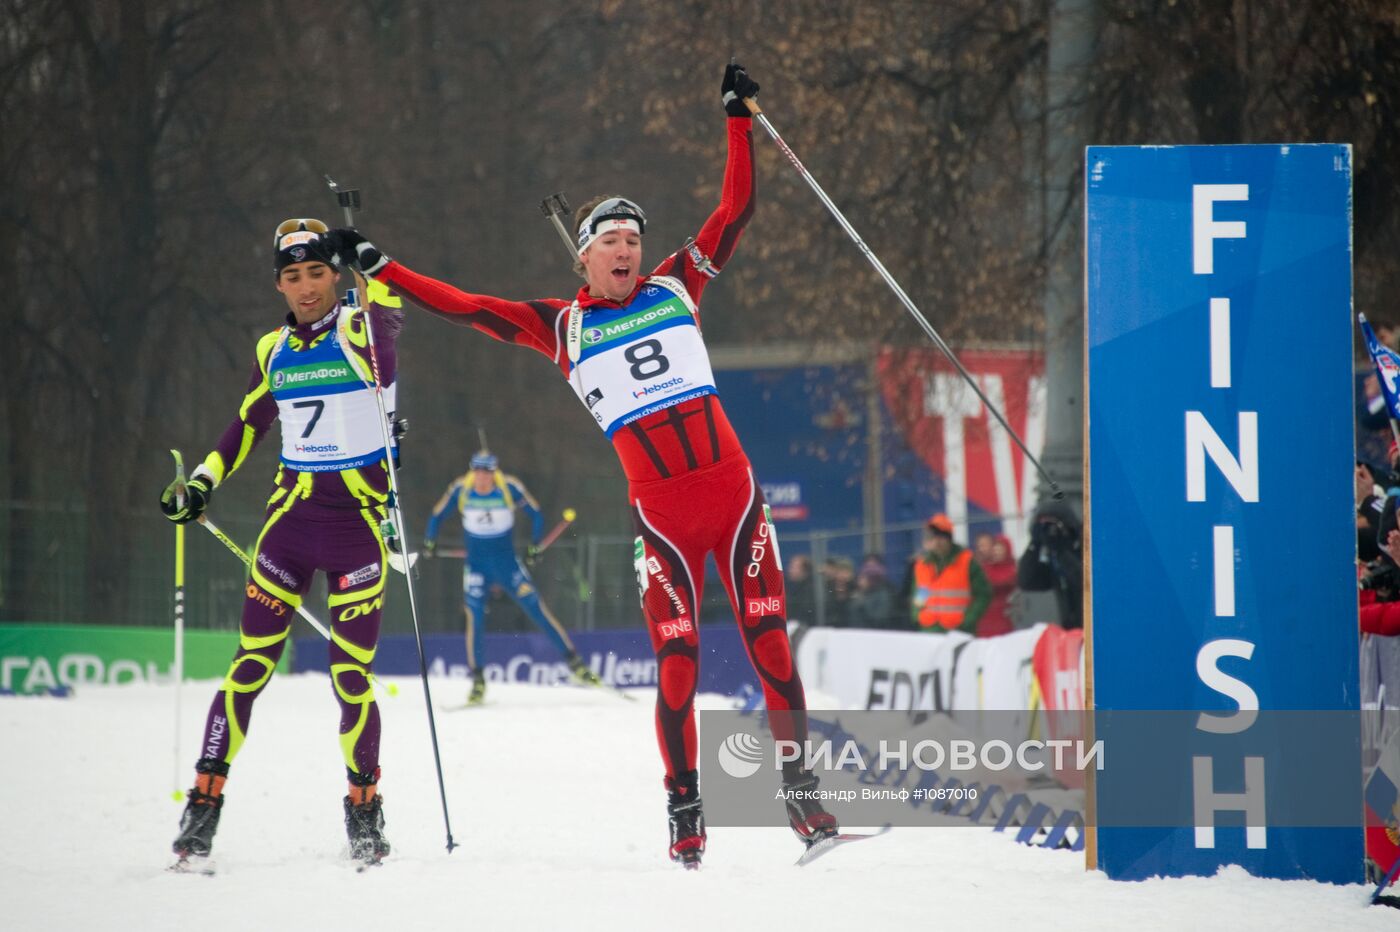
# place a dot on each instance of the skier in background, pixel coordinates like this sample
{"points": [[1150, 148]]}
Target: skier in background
{"points": [[486, 499], [630, 346], [328, 500]]}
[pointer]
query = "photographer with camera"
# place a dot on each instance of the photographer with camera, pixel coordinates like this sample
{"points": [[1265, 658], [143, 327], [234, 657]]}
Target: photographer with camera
{"points": [[1054, 561]]}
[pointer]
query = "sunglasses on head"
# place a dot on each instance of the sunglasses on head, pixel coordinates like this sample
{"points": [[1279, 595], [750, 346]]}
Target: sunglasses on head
{"points": [[298, 225]]}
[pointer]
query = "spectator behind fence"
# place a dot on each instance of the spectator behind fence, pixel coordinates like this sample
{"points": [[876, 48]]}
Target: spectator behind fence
{"points": [[801, 604], [993, 552], [873, 604], [950, 591], [1372, 481], [839, 580], [1054, 561]]}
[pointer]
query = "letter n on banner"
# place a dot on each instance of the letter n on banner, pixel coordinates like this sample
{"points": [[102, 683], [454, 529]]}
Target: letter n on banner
{"points": [[1219, 500]]}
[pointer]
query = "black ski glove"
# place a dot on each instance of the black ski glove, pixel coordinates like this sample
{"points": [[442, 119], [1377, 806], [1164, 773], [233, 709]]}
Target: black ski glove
{"points": [[736, 86], [197, 492], [353, 250]]}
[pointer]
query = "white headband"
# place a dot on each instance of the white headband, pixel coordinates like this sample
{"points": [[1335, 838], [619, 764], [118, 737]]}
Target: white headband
{"points": [[611, 225], [614, 215]]}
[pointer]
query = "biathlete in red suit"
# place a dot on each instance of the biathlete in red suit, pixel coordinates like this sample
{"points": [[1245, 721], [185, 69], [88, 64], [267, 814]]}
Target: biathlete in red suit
{"points": [[630, 346]]}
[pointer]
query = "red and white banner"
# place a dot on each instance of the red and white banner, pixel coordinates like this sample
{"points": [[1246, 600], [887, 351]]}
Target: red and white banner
{"points": [[945, 423]]}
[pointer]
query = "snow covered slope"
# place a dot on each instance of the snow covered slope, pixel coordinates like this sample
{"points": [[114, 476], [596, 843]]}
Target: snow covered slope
{"points": [[557, 806]]}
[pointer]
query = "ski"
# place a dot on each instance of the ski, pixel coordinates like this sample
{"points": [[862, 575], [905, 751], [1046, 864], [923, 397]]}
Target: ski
{"points": [[464, 706], [186, 865], [608, 687], [819, 848]]}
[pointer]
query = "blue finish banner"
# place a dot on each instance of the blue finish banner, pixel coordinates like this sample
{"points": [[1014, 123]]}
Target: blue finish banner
{"points": [[1222, 535]]}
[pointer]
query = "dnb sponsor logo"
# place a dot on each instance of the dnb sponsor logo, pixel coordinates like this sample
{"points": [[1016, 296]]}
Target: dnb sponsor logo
{"points": [[658, 387], [674, 629], [285, 377], [768, 605]]}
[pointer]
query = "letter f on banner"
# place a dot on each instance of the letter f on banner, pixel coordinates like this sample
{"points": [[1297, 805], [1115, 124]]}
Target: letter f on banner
{"points": [[1205, 229]]}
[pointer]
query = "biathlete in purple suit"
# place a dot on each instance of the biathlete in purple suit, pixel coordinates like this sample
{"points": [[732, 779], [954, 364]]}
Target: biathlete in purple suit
{"points": [[314, 374]]}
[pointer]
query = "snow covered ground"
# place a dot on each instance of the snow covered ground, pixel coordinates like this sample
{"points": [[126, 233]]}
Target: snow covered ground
{"points": [[558, 811]]}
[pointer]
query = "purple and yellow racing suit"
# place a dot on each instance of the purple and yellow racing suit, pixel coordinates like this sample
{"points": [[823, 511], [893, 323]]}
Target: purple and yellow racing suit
{"points": [[325, 512]]}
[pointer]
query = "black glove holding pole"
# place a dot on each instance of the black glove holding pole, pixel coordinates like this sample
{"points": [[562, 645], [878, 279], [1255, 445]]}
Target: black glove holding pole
{"points": [[736, 86], [186, 507], [354, 251]]}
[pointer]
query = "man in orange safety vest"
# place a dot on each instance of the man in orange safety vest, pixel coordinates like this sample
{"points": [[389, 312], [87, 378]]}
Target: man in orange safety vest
{"points": [[950, 589]]}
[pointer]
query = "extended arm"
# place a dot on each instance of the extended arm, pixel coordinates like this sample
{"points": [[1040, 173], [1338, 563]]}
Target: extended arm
{"points": [[715, 242], [527, 323]]}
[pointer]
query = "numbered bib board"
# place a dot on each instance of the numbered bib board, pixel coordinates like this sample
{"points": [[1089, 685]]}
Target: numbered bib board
{"points": [[1222, 543], [639, 359], [330, 418], [486, 515]]}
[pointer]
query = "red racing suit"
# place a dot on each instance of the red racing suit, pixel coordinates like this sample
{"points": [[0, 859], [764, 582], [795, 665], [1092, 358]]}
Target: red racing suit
{"points": [[640, 367]]}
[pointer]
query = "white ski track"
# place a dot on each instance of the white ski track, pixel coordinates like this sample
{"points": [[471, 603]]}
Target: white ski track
{"points": [[820, 848], [557, 805], [600, 687]]}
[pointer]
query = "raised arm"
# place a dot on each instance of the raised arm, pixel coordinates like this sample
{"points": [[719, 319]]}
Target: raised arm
{"points": [[527, 323], [714, 244]]}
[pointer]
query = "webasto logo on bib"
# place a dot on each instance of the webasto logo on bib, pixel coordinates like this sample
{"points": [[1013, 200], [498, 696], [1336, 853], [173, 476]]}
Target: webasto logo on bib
{"points": [[658, 387]]}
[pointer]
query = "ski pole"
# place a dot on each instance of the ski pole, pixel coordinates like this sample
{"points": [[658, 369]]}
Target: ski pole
{"points": [[177, 666], [554, 532], [554, 207], [1389, 878], [898, 291], [239, 552], [301, 610], [349, 200]]}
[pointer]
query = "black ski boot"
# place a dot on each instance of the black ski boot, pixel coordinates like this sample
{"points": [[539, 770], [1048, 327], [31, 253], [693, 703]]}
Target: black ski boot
{"points": [[687, 819], [364, 819], [809, 819], [201, 816]]}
